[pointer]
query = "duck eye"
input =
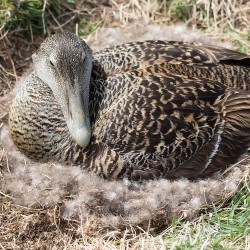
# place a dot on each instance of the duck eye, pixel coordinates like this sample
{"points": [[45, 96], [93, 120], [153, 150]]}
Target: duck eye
{"points": [[52, 60], [83, 57], [51, 63]]}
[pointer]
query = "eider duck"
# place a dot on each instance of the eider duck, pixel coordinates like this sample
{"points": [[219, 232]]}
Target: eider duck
{"points": [[141, 110]]}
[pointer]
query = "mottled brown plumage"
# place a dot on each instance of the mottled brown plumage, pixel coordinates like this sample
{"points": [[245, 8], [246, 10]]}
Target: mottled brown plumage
{"points": [[156, 109]]}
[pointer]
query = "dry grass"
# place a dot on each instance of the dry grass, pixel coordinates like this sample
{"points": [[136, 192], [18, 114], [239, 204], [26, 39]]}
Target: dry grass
{"points": [[216, 15], [227, 20], [220, 226], [26, 228]]}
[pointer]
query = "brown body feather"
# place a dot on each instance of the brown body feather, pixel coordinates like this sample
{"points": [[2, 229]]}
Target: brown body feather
{"points": [[158, 109]]}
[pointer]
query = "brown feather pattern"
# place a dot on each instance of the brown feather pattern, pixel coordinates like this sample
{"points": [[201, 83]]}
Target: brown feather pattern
{"points": [[158, 109]]}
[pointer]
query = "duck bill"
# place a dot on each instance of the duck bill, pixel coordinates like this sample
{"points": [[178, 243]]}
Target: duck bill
{"points": [[78, 122]]}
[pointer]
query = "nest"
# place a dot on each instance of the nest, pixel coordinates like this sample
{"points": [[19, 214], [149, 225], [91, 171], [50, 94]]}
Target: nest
{"points": [[40, 200]]}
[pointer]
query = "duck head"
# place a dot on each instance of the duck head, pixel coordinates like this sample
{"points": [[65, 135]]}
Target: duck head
{"points": [[64, 63]]}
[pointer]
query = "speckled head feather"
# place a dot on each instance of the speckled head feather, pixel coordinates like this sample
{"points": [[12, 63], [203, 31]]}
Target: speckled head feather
{"points": [[64, 63], [157, 109]]}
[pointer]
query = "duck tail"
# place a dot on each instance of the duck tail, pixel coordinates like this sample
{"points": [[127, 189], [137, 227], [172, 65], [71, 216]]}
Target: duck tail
{"points": [[235, 138]]}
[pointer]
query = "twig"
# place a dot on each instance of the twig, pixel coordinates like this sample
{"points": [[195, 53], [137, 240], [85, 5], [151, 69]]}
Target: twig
{"points": [[7, 71], [44, 6], [14, 69], [6, 195], [54, 215], [2, 246], [59, 25]]}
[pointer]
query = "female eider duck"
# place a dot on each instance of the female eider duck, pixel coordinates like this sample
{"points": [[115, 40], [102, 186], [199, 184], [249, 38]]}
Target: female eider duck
{"points": [[141, 110]]}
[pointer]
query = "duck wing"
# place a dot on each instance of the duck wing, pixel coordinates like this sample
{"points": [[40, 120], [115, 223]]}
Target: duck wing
{"points": [[223, 55], [203, 61], [161, 102], [159, 117]]}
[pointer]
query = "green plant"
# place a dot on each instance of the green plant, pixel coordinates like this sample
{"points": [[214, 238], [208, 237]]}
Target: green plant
{"points": [[85, 28], [226, 227], [180, 9], [240, 40], [23, 15]]}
